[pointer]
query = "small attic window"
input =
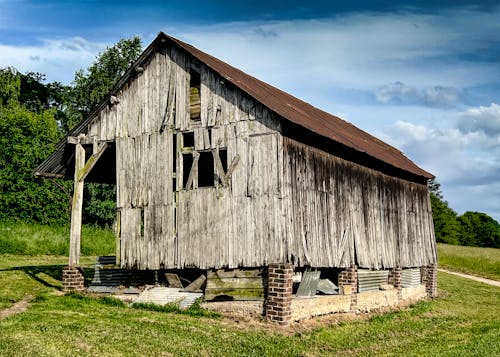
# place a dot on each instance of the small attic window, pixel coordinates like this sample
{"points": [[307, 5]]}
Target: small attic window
{"points": [[194, 94]]}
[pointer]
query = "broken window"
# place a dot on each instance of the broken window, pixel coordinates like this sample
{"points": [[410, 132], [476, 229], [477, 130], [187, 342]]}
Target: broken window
{"points": [[194, 94], [188, 139], [206, 169]]}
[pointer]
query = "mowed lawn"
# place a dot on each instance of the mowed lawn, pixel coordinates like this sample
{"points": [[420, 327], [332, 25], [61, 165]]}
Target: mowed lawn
{"points": [[463, 321]]}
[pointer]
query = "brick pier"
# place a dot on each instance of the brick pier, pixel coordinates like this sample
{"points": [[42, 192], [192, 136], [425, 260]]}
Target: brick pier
{"points": [[429, 279], [72, 279], [279, 293]]}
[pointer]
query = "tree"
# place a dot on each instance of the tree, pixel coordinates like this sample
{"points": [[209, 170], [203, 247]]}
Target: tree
{"points": [[26, 138], [10, 85], [446, 226], [479, 229]]}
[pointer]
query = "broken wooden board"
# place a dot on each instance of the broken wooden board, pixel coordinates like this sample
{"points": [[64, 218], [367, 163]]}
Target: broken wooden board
{"points": [[195, 286], [235, 284], [173, 281]]}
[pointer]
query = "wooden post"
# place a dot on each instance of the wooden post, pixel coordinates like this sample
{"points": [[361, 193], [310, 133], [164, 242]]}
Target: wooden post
{"points": [[76, 209]]}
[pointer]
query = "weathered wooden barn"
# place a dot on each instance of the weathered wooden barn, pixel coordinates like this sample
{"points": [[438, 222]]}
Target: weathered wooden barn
{"points": [[215, 169]]}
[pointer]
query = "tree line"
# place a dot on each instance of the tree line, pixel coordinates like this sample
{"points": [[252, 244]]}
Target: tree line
{"points": [[35, 115], [471, 228]]}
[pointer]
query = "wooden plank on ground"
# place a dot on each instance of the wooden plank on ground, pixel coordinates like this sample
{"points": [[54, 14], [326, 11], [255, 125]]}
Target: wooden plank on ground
{"points": [[235, 285], [173, 281]]}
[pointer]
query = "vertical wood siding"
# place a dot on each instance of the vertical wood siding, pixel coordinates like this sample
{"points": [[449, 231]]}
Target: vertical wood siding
{"points": [[338, 213]]}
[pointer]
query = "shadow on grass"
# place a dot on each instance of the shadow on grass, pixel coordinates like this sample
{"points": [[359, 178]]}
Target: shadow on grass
{"points": [[38, 273]]}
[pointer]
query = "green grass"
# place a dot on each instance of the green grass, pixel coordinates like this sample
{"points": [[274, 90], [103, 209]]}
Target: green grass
{"points": [[36, 239], [483, 262], [464, 321]]}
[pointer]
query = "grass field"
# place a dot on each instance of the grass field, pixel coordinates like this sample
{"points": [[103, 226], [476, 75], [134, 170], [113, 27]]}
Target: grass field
{"points": [[483, 262], [37, 239], [464, 321]]}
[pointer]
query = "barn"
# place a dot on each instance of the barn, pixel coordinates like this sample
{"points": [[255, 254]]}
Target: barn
{"points": [[275, 202]]}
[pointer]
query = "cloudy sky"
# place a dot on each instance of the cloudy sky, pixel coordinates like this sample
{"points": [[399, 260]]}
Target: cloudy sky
{"points": [[421, 75]]}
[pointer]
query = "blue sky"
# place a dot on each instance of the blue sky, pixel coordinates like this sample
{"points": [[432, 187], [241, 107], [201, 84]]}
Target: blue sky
{"points": [[422, 75]]}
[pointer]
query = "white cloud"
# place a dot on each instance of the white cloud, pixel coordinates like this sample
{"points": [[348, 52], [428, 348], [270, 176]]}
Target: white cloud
{"points": [[465, 162], [400, 93], [58, 59], [396, 92], [482, 119]]}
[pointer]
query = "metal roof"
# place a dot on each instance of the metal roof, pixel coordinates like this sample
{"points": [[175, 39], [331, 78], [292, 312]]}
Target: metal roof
{"points": [[285, 105]]}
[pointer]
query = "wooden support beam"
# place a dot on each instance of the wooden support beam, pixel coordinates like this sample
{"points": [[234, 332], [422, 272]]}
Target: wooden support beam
{"points": [[76, 209], [84, 140], [194, 171], [118, 223], [89, 165], [82, 169], [219, 167], [231, 169]]}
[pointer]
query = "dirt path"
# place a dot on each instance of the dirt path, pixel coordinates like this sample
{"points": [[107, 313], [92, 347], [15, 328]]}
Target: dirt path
{"points": [[17, 308], [472, 277]]}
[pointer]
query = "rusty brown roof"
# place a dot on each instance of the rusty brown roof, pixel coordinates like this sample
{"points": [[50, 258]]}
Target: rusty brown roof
{"points": [[285, 105], [306, 115]]}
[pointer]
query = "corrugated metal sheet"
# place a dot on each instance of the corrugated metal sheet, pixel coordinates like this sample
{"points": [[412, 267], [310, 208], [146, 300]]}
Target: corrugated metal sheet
{"points": [[411, 277], [160, 295], [370, 280], [309, 283], [283, 104], [108, 275]]}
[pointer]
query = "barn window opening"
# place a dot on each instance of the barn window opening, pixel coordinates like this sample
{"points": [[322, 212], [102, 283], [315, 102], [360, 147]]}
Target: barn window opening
{"points": [[194, 94], [201, 168], [206, 176], [223, 158], [188, 139]]}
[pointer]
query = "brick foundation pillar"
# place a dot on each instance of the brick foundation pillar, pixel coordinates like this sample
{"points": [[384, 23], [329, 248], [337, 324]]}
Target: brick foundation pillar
{"points": [[72, 279], [279, 293], [348, 280], [395, 278], [429, 279], [348, 284]]}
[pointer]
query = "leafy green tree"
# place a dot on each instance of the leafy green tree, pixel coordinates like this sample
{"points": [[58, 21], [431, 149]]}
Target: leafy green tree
{"points": [[26, 138], [10, 86], [446, 225], [479, 229]]}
